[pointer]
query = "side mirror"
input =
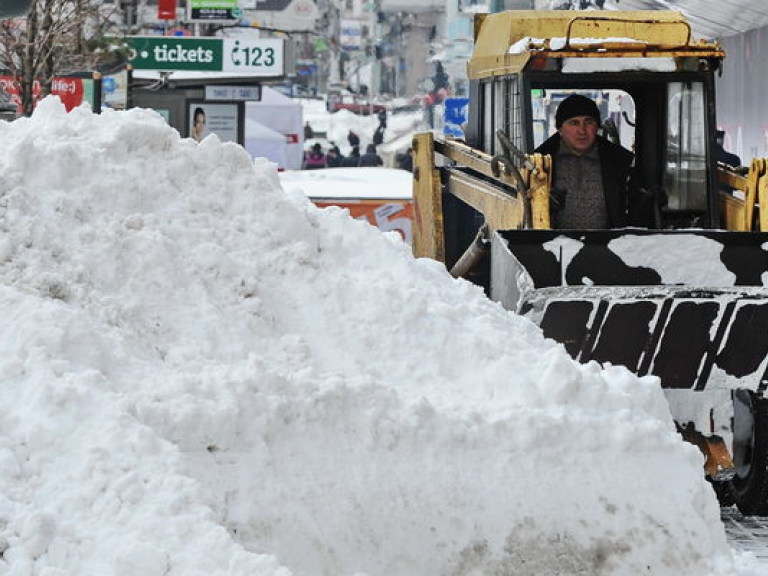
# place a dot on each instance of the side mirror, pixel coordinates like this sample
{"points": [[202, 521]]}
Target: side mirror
{"points": [[14, 8]]}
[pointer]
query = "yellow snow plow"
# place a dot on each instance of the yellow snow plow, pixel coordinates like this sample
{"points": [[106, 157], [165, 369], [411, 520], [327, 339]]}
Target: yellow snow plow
{"points": [[683, 299]]}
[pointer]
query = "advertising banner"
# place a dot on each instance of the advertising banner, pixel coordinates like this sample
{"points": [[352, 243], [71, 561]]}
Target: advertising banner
{"points": [[224, 120], [387, 215], [114, 90], [71, 91]]}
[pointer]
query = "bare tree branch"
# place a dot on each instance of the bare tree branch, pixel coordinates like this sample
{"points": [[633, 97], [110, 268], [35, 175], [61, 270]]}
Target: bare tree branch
{"points": [[57, 37]]}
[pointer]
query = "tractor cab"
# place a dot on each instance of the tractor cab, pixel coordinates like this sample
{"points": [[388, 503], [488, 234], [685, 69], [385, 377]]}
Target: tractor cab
{"points": [[653, 86]]}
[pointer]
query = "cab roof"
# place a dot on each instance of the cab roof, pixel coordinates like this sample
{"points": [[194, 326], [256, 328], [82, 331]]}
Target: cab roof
{"points": [[505, 42]]}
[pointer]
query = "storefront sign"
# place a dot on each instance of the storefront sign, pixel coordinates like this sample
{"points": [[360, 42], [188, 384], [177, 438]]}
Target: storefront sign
{"points": [[224, 11], [166, 9]]}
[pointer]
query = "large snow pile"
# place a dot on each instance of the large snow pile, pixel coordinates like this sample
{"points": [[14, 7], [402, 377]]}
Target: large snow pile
{"points": [[205, 374]]}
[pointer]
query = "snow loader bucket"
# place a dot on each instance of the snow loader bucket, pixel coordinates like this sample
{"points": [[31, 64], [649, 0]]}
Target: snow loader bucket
{"points": [[626, 297]]}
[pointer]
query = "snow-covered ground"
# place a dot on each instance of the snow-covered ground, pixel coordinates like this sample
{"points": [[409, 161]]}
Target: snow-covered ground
{"points": [[203, 373]]}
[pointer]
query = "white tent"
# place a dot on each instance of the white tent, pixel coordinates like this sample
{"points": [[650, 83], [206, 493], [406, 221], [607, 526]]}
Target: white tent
{"points": [[262, 141], [284, 115]]}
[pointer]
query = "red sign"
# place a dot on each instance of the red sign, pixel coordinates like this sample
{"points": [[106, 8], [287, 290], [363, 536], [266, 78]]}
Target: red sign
{"points": [[178, 31], [166, 9], [69, 90]]}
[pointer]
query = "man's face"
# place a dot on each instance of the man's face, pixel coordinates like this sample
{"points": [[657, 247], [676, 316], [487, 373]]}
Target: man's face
{"points": [[579, 133]]}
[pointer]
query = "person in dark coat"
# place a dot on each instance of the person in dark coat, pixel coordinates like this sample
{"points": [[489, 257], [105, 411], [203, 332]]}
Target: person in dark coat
{"points": [[370, 158], [353, 139], [378, 136], [591, 184], [406, 160], [353, 160], [333, 158], [382, 115]]}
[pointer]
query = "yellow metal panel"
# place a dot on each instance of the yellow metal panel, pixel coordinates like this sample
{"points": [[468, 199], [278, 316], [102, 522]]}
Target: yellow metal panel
{"points": [[539, 183], [661, 32], [477, 160], [428, 228], [756, 168], [501, 211], [731, 179], [762, 195], [731, 212]]}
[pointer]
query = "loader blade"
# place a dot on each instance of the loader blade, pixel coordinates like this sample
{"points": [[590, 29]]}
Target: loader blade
{"points": [[687, 306]]}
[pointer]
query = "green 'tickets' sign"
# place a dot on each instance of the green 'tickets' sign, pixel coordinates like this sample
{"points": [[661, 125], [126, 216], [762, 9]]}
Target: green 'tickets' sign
{"points": [[255, 57], [172, 53]]}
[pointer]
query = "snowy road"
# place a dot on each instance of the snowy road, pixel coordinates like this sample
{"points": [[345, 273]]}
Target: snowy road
{"points": [[746, 533]]}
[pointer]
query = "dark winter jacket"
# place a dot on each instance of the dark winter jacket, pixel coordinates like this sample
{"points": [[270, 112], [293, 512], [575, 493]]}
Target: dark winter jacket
{"points": [[334, 158], [625, 204], [353, 160], [370, 158]]}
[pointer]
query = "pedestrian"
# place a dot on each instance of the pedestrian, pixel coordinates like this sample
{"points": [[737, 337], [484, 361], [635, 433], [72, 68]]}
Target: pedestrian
{"points": [[333, 158], [308, 131], [378, 135], [406, 160], [591, 185], [371, 158], [353, 160], [353, 139], [315, 158]]}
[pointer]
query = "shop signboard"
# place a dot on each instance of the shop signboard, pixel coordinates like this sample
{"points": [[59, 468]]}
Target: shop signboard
{"points": [[213, 11]]}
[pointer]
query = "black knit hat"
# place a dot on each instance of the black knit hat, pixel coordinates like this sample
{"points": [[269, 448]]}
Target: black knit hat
{"points": [[576, 105]]}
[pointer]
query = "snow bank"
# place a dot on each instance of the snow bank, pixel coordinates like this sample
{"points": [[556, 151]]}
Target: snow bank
{"points": [[205, 374]]}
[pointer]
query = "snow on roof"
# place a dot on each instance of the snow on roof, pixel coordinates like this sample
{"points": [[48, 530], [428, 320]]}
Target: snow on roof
{"points": [[559, 43]]}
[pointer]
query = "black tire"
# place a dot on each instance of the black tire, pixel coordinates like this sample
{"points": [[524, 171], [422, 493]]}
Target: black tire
{"points": [[749, 487], [724, 493]]}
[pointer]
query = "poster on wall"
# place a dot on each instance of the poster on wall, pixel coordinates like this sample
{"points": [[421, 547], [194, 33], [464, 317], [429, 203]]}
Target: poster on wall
{"points": [[387, 215], [114, 90], [224, 120]]}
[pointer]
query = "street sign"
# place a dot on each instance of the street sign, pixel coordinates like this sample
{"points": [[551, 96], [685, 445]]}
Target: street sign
{"points": [[237, 93], [213, 11], [456, 115], [257, 57]]}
